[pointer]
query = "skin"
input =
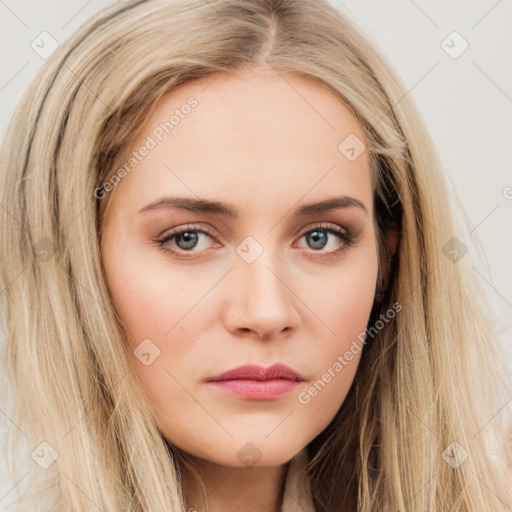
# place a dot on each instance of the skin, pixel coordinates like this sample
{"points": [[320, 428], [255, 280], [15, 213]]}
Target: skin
{"points": [[266, 146]]}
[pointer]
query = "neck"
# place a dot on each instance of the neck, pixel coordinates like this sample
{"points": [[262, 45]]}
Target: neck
{"points": [[229, 489]]}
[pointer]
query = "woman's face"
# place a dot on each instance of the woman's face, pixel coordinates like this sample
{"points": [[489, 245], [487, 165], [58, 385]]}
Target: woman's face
{"points": [[255, 277]]}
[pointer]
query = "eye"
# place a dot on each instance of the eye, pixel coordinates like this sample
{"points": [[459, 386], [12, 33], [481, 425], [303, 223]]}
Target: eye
{"points": [[191, 239], [321, 236], [186, 240]]}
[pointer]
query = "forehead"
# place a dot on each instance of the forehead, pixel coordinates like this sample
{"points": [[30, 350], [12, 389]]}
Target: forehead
{"points": [[252, 139]]}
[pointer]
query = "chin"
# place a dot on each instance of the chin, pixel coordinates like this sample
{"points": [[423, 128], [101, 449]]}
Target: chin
{"points": [[259, 452]]}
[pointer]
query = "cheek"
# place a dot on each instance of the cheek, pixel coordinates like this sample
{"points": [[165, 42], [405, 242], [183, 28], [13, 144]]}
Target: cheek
{"points": [[163, 317], [344, 301], [344, 307], [157, 312], [153, 305]]}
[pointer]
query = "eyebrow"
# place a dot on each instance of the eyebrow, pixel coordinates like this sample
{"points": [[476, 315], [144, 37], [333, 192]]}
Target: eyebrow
{"points": [[218, 208]]}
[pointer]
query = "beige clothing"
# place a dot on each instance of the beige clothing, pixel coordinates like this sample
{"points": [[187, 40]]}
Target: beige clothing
{"points": [[297, 492]]}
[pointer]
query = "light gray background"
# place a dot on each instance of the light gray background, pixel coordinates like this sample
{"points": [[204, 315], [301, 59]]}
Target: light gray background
{"points": [[466, 103]]}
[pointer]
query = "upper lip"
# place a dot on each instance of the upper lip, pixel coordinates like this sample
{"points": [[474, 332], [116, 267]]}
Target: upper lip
{"points": [[255, 372]]}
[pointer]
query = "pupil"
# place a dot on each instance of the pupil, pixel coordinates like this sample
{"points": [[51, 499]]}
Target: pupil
{"points": [[316, 236]]}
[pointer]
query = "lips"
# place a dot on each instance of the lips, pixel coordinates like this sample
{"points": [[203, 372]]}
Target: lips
{"points": [[252, 382], [259, 373]]}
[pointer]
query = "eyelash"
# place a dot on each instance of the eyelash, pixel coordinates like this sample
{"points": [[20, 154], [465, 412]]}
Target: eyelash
{"points": [[348, 239]]}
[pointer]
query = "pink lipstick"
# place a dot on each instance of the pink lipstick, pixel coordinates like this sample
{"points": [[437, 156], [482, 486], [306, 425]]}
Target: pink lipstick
{"points": [[254, 382]]}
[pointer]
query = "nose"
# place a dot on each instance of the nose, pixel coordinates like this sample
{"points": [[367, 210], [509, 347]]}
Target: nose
{"points": [[261, 300]]}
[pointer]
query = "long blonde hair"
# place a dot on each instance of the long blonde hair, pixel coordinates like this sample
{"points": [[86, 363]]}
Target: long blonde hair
{"points": [[419, 380]]}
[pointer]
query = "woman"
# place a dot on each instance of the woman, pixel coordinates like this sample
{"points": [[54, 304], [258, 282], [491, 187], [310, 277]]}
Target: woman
{"points": [[230, 280]]}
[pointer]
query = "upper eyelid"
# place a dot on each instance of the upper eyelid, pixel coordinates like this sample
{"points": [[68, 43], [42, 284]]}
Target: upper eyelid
{"points": [[209, 231], [188, 227]]}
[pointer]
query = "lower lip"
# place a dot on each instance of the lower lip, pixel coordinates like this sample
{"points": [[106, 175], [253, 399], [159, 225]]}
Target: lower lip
{"points": [[257, 389]]}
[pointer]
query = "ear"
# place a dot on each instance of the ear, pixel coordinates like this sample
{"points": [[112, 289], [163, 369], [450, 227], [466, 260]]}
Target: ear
{"points": [[392, 237], [392, 241]]}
